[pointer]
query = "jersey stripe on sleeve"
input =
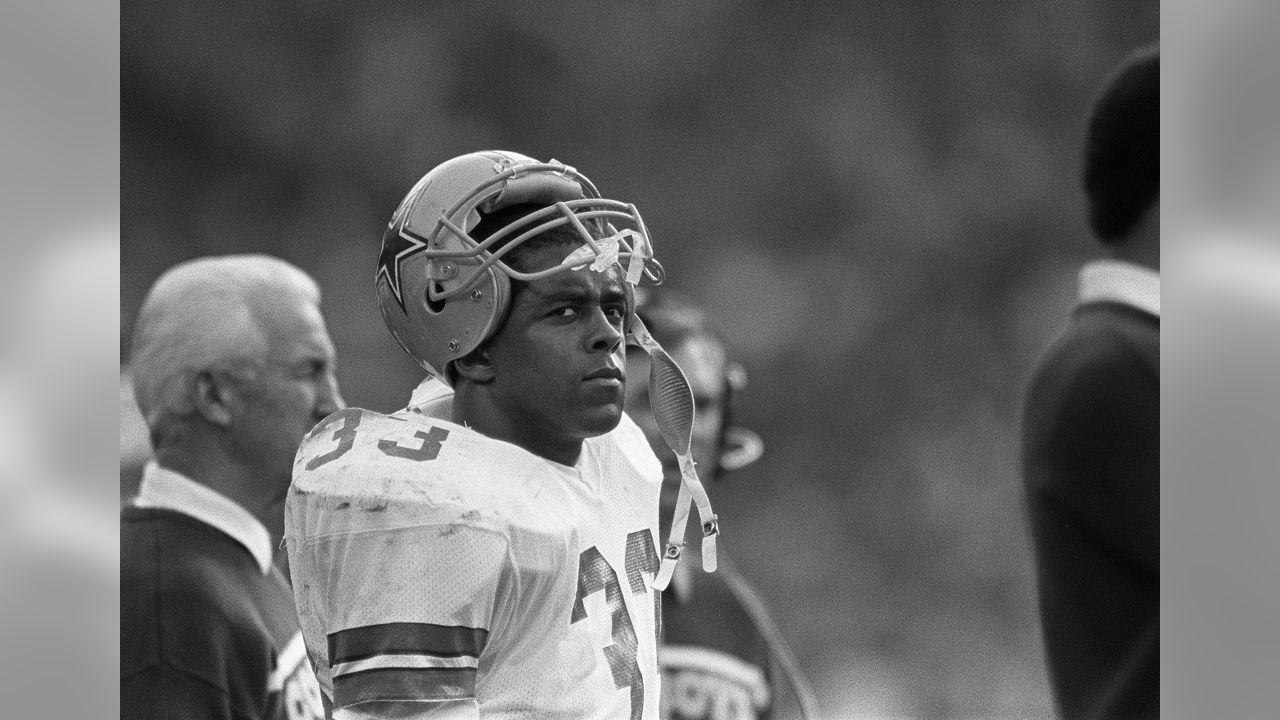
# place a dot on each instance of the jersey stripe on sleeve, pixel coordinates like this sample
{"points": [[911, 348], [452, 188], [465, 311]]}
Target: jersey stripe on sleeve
{"points": [[404, 662], [402, 685]]}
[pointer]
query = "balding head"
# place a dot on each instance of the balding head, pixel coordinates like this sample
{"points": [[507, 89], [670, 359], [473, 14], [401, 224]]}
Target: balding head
{"points": [[209, 314]]}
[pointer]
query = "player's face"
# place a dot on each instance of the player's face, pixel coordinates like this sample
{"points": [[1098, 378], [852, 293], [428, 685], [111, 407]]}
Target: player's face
{"points": [[559, 360], [292, 390], [704, 364]]}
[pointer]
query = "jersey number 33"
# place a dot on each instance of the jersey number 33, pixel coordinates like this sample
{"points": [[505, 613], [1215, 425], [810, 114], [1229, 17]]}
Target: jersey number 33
{"points": [[594, 575]]}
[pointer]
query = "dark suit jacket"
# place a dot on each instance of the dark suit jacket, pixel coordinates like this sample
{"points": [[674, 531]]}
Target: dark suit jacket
{"points": [[202, 630], [1091, 464]]}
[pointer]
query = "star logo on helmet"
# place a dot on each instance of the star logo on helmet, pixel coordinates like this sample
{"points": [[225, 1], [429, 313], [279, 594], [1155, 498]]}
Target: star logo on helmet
{"points": [[397, 246]]}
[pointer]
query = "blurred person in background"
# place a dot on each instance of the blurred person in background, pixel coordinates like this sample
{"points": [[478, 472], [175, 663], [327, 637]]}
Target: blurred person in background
{"points": [[1091, 429], [231, 365], [721, 655]]}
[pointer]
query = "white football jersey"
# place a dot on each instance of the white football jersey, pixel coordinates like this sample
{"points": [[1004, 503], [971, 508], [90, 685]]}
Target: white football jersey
{"points": [[437, 570]]}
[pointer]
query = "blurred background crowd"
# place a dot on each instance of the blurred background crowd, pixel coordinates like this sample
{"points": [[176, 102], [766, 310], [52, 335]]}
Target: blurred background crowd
{"points": [[879, 203]]}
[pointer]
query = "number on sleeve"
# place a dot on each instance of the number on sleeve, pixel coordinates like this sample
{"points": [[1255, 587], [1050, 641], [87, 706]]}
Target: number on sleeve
{"points": [[429, 450], [345, 435]]}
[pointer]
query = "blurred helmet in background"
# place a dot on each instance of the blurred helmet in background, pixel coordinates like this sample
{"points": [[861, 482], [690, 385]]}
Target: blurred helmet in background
{"points": [[679, 325], [444, 289]]}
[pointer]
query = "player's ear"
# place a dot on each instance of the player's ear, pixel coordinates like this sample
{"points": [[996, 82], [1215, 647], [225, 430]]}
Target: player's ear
{"points": [[474, 366], [212, 396]]}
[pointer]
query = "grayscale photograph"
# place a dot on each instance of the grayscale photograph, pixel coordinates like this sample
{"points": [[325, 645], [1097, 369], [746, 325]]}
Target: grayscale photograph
{"points": [[668, 360], [723, 360]]}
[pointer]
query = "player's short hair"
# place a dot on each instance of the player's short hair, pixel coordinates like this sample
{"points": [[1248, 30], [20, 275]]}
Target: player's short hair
{"points": [[491, 223], [1122, 147], [206, 314], [560, 235]]}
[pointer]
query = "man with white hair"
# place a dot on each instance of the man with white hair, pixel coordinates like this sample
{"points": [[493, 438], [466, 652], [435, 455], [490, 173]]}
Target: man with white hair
{"points": [[232, 365]]}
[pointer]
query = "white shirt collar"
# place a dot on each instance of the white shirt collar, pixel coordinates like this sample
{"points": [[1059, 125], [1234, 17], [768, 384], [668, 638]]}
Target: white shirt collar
{"points": [[1121, 282], [164, 488]]}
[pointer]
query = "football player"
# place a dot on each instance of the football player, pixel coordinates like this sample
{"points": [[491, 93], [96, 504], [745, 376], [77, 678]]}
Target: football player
{"points": [[721, 655], [492, 549]]}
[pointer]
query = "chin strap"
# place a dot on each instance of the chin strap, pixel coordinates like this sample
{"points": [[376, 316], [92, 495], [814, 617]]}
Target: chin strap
{"points": [[672, 402]]}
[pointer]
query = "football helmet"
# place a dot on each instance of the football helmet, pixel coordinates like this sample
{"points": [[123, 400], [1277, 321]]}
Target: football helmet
{"points": [[442, 292]]}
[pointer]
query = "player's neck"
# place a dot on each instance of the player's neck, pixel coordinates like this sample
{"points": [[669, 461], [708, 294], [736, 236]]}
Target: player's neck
{"points": [[472, 409]]}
